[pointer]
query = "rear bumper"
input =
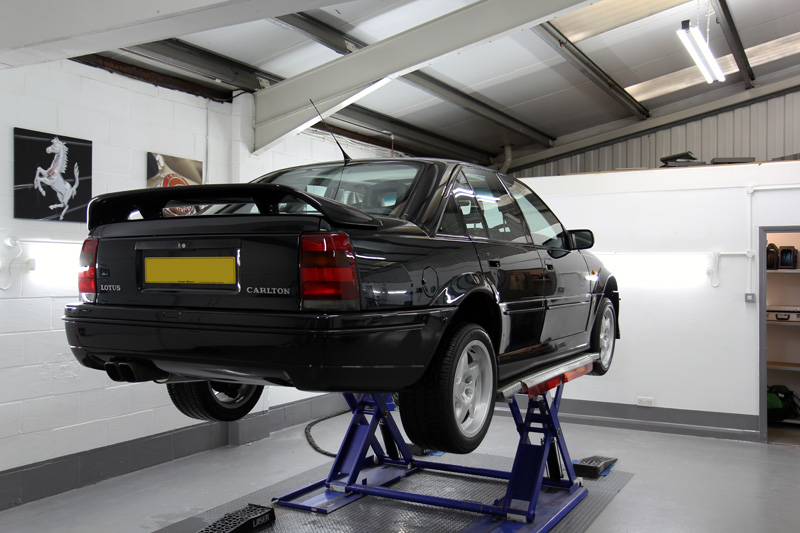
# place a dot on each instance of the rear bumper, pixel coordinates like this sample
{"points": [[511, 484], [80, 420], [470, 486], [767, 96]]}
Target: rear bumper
{"points": [[383, 351]]}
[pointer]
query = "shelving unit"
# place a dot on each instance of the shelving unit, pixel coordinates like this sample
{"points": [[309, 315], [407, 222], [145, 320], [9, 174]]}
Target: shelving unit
{"points": [[782, 366], [783, 337]]}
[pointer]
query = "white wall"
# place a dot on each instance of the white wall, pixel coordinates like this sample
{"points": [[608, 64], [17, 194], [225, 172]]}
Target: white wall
{"points": [[49, 404], [685, 343]]}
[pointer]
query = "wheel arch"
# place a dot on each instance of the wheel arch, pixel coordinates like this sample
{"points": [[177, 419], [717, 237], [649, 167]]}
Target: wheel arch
{"points": [[611, 291], [480, 307]]}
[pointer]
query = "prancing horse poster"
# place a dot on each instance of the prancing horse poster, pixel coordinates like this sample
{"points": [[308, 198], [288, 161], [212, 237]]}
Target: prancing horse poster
{"points": [[52, 176]]}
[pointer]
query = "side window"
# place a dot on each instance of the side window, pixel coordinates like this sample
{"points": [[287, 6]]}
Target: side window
{"points": [[452, 223], [545, 228], [502, 215], [465, 208]]}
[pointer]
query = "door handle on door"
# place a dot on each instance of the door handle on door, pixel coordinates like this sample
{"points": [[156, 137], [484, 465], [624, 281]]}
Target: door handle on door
{"points": [[494, 263]]}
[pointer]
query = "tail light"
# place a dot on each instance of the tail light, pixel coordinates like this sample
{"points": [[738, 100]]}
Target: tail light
{"points": [[328, 276], [87, 275]]}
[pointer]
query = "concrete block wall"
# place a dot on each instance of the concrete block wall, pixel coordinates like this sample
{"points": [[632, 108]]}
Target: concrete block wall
{"points": [[51, 406]]}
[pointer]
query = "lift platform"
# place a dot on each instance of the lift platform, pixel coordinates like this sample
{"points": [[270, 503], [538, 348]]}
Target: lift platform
{"points": [[538, 463]]}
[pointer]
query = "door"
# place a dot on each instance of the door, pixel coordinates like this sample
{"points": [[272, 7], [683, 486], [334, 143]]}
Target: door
{"points": [[566, 289], [511, 262]]}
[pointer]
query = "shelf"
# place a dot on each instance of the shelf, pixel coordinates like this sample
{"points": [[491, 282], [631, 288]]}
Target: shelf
{"points": [[794, 421], [784, 271], [782, 323], [780, 365]]}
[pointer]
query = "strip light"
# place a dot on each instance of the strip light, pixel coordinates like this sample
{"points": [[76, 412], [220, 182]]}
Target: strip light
{"points": [[700, 52]]}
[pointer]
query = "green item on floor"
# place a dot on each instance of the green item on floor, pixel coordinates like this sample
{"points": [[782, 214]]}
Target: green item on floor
{"points": [[782, 403]]}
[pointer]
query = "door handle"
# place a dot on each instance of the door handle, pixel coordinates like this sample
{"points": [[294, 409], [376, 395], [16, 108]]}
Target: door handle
{"points": [[494, 260]]}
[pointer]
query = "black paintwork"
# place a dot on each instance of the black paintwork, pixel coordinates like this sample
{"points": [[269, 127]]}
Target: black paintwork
{"points": [[537, 303]]}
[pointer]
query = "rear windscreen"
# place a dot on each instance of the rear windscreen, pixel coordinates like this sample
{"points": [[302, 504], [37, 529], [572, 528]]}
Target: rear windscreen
{"points": [[379, 188]]}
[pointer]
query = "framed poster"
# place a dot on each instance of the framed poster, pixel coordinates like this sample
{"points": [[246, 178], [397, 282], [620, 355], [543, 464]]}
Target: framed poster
{"points": [[170, 171], [52, 176]]}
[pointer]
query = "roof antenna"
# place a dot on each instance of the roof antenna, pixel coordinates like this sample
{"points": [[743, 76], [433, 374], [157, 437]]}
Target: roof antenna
{"points": [[347, 158]]}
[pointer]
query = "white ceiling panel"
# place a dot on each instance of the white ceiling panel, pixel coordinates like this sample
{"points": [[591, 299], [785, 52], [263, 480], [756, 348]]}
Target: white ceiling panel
{"points": [[499, 62], [371, 21], [270, 47], [759, 22], [607, 15], [264, 39], [298, 59], [398, 99], [569, 110]]}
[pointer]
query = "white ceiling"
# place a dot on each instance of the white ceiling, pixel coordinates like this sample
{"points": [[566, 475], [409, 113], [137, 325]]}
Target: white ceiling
{"points": [[519, 74]]}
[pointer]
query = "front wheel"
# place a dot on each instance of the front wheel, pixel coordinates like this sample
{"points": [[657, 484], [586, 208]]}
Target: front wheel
{"points": [[604, 336], [214, 400], [451, 408]]}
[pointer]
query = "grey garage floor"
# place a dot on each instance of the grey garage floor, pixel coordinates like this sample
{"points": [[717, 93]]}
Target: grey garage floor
{"points": [[680, 483]]}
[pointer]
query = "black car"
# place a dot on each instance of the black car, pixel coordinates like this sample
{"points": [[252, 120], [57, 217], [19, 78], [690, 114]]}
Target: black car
{"points": [[435, 279]]}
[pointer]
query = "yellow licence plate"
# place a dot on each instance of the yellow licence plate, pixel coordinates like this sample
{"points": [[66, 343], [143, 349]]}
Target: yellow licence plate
{"points": [[190, 270]]}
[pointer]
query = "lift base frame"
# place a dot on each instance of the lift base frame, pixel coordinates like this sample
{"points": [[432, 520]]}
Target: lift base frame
{"points": [[525, 506]]}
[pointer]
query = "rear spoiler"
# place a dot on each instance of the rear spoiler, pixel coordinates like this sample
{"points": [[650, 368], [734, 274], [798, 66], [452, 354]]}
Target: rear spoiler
{"points": [[150, 203]]}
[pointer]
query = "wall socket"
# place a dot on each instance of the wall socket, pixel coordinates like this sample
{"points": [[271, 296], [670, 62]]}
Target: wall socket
{"points": [[645, 401], [749, 297]]}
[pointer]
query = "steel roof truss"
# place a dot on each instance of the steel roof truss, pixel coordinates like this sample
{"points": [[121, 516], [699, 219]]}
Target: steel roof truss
{"points": [[284, 108], [344, 44], [567, 49], [734, 42], [213, 66]]}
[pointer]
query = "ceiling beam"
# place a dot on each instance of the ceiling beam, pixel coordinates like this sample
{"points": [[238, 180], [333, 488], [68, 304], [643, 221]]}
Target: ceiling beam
{"points": [[156, 78], [321, 33], [178, 54], [734, 42], [419, 136], [208, 64], [38, 31], [575, 57], [344, 44], [388, 143], [284, 109], [473, 105], [742, 98]]}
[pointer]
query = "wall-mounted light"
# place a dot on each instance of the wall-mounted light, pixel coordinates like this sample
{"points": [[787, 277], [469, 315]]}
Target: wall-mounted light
{"points": [[698, 48], [10, 242]]}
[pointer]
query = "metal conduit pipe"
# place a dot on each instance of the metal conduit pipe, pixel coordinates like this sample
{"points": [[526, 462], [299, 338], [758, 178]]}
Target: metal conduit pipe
{"points": [[507, 160], [750, 254]]}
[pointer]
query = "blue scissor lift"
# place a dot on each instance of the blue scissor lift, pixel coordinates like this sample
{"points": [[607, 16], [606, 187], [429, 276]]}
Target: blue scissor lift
{"points": [[525, 507]]}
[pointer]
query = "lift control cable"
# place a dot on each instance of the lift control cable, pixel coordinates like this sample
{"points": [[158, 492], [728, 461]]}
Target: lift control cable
{"points": [[313, 423]]}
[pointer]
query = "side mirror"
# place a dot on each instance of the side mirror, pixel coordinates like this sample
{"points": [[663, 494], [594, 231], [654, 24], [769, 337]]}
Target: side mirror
{"points": [[582, 239]]}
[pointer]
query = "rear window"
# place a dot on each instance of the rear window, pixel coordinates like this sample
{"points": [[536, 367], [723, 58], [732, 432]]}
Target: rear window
{"points": [[379, 188]]}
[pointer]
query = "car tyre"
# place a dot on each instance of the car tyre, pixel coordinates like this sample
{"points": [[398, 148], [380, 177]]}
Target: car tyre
{"points": [[451, 407], [214, 400], [604, 336]]}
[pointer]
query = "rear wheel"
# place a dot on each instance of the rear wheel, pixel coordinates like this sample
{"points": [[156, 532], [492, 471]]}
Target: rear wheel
{"points": [[214, 400], [451, 408], [604, 336]]}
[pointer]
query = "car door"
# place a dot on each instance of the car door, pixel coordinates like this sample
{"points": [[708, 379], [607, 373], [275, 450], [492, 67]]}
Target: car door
{"points": [[511, 261], [567, 291]]}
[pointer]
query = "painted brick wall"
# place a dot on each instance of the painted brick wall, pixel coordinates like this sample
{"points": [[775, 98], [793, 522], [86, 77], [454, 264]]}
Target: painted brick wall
{"points": [[49, 404]]}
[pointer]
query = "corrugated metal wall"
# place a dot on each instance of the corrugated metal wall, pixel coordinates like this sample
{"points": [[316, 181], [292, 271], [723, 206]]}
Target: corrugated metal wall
{"points": [[765, 130]]}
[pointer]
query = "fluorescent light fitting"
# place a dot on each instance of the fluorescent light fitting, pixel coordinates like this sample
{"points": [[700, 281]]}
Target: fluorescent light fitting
{"points": [[684, 37], [700, 52], [706, 51]]}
